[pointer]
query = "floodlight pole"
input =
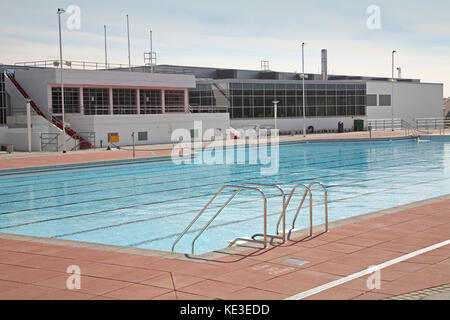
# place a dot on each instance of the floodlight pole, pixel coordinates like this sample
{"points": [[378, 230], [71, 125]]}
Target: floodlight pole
{"points": [[303, 91], [61, 11], [392, 94]]}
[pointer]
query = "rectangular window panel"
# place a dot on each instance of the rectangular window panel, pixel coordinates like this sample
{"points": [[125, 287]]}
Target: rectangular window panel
{"points": [[124, 101], [331, 111], [174, 100], [151, 101], [384, 99], [372, 100], [341, 111], [258, 112], [143, 136], [96, 101], [71, 100]]}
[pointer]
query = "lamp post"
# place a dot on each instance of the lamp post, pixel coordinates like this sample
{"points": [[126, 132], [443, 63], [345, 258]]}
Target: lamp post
{"points": [[106, 50], [60, 12], [303, 90], [275, 109], [392, 94]]}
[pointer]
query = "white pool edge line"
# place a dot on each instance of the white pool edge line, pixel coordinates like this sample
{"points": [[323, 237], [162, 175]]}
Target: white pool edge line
{"points": [[369, 270]]}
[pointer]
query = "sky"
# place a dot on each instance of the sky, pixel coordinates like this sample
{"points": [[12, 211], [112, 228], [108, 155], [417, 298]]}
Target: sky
{"points": [[239, 34]]}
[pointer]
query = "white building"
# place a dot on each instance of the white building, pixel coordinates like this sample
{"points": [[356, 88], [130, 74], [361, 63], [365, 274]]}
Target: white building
{"points": [[104, 103]]}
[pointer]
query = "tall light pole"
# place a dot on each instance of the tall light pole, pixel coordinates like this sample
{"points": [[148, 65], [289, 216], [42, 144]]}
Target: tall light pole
{"points": [[275, 111], [106, 51], [303, 91], [392, 94], [129, 54], [60, 12]]}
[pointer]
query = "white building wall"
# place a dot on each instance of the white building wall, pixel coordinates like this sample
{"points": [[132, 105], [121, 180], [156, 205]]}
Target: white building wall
{"points": [[288, 124], [159, 127], [411, 100]]}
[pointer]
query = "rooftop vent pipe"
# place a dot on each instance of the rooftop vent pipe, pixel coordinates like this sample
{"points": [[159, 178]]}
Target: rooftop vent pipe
{"points": [[324, 64]]}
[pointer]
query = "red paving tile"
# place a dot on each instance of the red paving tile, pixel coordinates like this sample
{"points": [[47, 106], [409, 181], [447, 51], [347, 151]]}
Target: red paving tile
{"points": [[32, 270], [336, 293], [136, 292], [213, 288]]}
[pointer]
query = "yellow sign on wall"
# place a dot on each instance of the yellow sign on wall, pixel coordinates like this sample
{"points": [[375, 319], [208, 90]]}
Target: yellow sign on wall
{"points": [[113, 138]]}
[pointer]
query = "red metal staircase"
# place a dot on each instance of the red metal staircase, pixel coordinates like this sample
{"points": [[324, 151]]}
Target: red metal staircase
{"points": [[55, 121]]}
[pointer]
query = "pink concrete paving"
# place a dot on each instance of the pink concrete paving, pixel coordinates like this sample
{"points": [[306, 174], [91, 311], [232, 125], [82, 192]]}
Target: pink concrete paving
{"points": [[33, 270], [37, 270]]}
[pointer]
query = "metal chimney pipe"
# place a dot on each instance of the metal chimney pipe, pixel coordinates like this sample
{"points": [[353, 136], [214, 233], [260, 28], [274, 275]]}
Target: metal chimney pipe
{"points": [[324, 64], [399, 72]]}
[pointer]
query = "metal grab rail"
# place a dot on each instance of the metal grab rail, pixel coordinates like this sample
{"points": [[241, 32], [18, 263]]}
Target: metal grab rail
{"points": [[325, 193], [238, 189], [283, 211], [307, 190]]}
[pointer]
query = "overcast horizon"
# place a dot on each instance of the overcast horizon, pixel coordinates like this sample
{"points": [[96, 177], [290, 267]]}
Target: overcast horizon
{"points": [[239, 34]]}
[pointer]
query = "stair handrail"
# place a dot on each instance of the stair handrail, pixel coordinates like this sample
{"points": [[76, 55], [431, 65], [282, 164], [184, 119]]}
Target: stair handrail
{"points": [[307, 191], [238, 189], [44, 113], [325, 192], [283, 211]]}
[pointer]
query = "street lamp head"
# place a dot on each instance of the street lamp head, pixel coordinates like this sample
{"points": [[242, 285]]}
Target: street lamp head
{"points": [[61, 11], [275, 102], [394, 51], [303, 43]]}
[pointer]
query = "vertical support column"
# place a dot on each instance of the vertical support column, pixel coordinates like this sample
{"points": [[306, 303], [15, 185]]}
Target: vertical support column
{"points": [[138, 101], [186, 100], [111, 101], [163, 101], [81, 101], [29, 124]]}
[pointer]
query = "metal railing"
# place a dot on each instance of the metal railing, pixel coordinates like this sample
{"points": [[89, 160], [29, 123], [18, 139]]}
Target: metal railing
{"points": [[49, 142], [252, 187], [307, 191], [238, 189], [384, 124], [101, 66], [433, 124]]}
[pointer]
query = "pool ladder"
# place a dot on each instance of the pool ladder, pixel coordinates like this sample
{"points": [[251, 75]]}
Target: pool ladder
{"points": [[254, 187]]}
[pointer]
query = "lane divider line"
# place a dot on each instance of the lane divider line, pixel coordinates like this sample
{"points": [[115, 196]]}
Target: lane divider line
{"points": [[369, 270]]}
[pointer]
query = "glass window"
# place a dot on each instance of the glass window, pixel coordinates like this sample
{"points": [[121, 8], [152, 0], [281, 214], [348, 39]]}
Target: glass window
{"points": [[331, 111], [372, 100], [96, 101], [385, 99], [124, 101], [71, 100], [143, 136], [174, 100], [151, 102]]}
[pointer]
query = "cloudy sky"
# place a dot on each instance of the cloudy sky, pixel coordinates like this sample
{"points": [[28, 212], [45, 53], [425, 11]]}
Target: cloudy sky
{"points": [[239, 34]]}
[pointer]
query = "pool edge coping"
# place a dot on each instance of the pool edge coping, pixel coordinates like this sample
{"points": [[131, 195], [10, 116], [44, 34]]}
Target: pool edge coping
{"points": [[216, 254]]}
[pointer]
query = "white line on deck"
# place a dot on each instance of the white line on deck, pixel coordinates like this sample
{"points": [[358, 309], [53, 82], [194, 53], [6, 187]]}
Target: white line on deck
{"points": [[372, 269]]}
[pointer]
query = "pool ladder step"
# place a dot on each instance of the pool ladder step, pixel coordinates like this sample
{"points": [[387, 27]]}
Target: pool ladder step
{"points": [[256, 187]]}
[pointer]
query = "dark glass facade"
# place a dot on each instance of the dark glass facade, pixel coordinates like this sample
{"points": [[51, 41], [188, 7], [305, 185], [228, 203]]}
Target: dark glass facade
{"points": [[255, 100]]}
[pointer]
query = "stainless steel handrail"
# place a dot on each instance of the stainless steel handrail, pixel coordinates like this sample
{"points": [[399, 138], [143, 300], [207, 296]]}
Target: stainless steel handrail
{"points": [[307, 190], [325, 192], [238, 189], [283, 211]]}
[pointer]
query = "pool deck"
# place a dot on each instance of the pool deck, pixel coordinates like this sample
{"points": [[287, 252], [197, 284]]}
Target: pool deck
{"points": [[35, 268]]}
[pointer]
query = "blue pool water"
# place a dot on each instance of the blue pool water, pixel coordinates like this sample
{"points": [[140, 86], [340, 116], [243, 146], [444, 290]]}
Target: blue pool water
{"points": [[148, 203]]}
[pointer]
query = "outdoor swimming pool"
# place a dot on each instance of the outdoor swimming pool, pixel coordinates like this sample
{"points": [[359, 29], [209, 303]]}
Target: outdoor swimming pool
{"points": [[148, 203]]}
